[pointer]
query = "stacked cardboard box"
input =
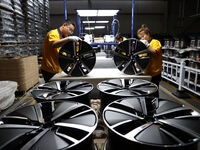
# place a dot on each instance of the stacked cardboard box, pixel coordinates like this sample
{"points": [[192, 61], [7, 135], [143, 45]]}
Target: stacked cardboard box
{"points": [[23, 70]]}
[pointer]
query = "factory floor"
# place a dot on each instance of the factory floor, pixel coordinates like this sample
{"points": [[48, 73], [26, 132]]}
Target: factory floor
{"points": [[166, 91]]}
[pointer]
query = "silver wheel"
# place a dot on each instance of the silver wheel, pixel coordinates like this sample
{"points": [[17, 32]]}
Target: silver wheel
{"points": [[63, 90], [114, 89], [77, 58], [131, 56], [70, 126], [170, 126]]}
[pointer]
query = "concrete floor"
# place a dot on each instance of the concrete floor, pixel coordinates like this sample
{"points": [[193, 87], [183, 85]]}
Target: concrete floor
{"points": [[166, 91]]}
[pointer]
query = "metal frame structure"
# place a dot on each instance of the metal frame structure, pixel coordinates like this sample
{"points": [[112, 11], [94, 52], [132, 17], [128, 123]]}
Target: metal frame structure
{"points": [[79, 19], [133, 10], [96, 44], [132, 27], [80, 30], [185, 77], [65, 10]]}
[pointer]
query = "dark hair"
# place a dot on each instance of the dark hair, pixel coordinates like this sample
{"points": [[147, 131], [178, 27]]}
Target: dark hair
{"points": [[118, 36], [144, 29], [68, 22]]}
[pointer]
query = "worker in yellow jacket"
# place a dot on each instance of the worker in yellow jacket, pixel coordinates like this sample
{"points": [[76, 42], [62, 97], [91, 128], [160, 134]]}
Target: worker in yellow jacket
{"points": [[53, 42], [154, 46]]}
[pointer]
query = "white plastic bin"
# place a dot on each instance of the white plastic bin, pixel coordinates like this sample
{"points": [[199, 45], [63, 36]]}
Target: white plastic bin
{"points": [[7, 93]]}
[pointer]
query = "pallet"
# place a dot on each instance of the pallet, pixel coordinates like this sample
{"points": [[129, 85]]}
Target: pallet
{"points": [[21, 93], [8, 43], [19, 44]]}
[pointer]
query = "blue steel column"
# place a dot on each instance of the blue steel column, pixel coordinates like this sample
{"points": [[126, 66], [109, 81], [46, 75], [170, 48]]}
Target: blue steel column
{"points": [[79, 25], [82, 27], [65, 11], [107, 29], [133, 9], [114, 25]]}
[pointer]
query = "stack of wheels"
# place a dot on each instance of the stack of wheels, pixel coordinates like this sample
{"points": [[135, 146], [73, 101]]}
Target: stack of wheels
{"points": [[63, 90], [114, 89], [69, 127], [170, 126], [77, 58], [131, 57]]}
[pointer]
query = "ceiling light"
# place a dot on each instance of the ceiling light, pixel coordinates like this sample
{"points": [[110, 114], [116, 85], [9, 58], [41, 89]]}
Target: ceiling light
{"points": [[107, 12], [95, 21], [102, 21], [89, 28], [99, 27], [88, 22], [89, 13]]}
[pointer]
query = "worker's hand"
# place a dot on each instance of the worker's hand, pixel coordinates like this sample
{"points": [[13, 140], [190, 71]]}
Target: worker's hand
{"points": [[74, 38], [145, 42]]}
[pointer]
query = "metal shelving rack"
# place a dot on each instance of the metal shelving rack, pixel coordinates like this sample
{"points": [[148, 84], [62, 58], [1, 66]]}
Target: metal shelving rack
{"points": [[28, 24], [181, 68], [185, 77]]}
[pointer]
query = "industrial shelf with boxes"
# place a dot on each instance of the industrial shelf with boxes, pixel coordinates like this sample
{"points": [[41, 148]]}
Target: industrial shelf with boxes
{"points": [[34, 20], [23, 25], [22, 31], [181, 63], [46, 13], [7, 31]]}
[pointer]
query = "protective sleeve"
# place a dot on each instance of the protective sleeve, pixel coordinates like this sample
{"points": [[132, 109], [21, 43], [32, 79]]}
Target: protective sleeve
{"points": [[156, 45], [53, 36]]}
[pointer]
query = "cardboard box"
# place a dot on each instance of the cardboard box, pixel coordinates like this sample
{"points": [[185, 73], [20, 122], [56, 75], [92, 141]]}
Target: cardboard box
{"points": [[22, 69]]}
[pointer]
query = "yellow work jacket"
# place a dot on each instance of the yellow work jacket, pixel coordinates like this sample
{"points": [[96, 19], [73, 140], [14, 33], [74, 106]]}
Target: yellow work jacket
{"points": [[50, 55], [155, 65]]}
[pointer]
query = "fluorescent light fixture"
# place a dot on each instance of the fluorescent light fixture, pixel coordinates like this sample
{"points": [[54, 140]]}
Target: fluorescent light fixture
{"points": [[88, 21], [95, 21], [99, 27], [107, 12], [93, 28], [102, 21], [89, 13], [89, 28]]}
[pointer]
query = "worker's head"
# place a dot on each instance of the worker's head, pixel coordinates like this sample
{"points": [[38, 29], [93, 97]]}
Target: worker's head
{"points": [[118, 38], [67, 28], [144, 33]]}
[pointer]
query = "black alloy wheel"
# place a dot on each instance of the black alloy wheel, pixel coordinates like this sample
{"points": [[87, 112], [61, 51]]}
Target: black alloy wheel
{"points": [[114, 89], [171, 126], [63, 90], [131, 56], [77, 58], [69, 127]]}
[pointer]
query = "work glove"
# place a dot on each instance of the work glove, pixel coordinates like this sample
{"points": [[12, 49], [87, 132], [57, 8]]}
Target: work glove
{"points": [[145, 42], [74, 38]]}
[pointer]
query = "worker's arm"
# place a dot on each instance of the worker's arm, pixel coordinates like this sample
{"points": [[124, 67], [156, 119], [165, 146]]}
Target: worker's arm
{"points": [[65, 40], [152, 50]]}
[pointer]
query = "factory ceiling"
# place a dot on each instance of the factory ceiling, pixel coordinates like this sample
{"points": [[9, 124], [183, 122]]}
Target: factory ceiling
{"points": [[125, 6]]}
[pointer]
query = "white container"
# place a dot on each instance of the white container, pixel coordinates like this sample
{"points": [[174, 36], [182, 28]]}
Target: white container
{"points": [[7, 93]]}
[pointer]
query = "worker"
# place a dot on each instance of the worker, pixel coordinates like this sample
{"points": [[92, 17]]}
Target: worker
{"points": [[53, 42], [119, 38], [154, 46]]}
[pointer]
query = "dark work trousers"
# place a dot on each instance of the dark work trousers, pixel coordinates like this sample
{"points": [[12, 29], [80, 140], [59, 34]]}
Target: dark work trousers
{"points": [[47, 75], [156, 80]]}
